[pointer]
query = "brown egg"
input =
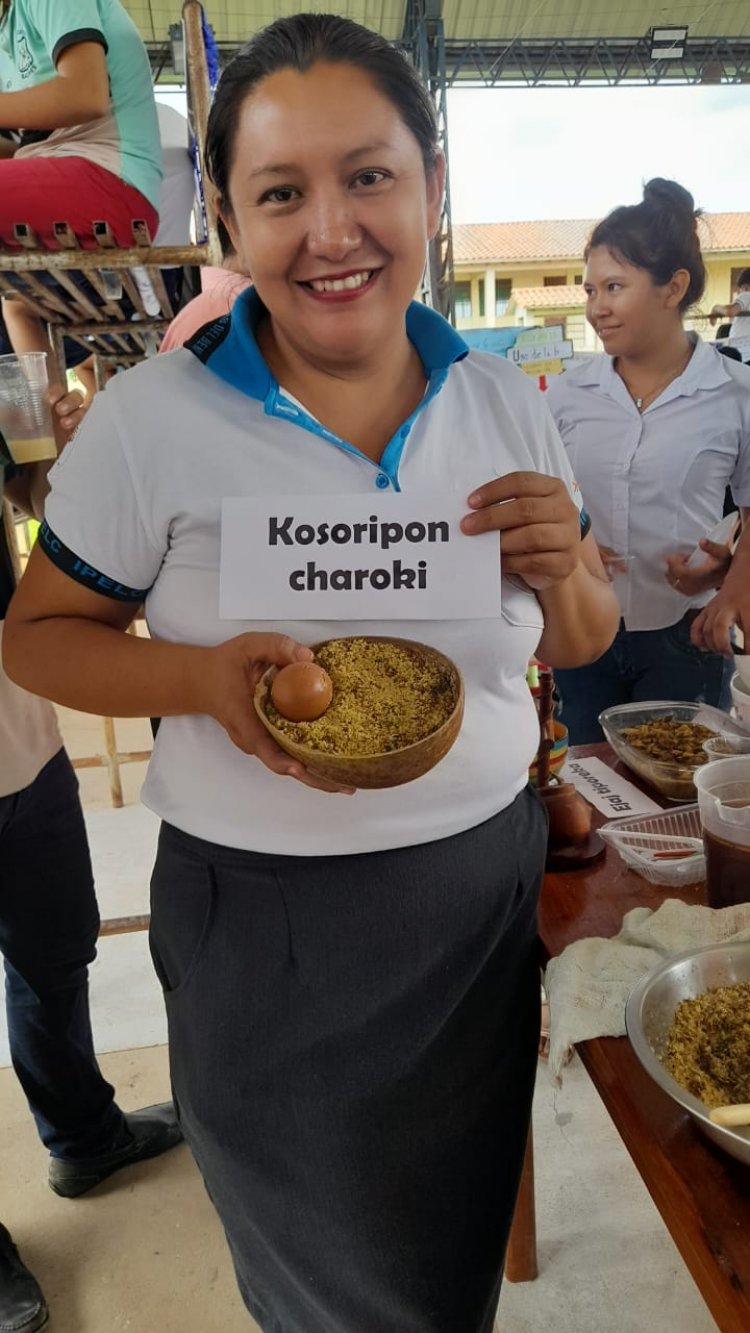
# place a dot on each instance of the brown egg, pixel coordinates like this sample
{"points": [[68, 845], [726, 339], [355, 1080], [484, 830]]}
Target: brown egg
{"points": [[301, 691]]}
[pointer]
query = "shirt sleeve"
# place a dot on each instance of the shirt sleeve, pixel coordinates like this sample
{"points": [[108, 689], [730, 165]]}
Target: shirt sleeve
{"points": [[94, 528], [61, 24]]}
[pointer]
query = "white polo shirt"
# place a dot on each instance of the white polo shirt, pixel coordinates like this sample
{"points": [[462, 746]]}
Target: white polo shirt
{"points": [[136, 500], [654, 482]]}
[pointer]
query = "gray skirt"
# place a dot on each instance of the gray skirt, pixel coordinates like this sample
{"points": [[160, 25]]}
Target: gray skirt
{"points": [[353, 1046]]}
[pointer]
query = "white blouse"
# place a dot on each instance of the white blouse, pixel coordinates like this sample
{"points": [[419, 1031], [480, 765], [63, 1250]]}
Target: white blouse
{"points": [[654, 483]]}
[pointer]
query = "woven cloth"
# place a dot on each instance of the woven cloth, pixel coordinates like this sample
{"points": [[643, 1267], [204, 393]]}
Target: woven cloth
{"points": [[588, 985]]}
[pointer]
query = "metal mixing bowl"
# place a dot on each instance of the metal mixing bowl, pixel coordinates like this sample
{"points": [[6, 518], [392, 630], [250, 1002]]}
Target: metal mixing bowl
{"points": [[650, 1011]]}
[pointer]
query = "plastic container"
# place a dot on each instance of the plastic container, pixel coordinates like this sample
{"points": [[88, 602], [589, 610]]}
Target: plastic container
{"points": [[724, 801], [637, 838], [740, 691], [675, 780], [723, 747]]}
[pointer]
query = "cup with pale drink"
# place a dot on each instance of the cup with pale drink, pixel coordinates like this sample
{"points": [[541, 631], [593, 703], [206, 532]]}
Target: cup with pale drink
{"points": [[25, 415]]}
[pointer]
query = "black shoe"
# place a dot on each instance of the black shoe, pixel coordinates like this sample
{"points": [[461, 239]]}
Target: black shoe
{"points": [[153, 1130], [22, 1307]]}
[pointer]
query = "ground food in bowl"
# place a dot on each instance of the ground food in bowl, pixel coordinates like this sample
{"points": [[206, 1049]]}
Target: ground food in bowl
{"points": [[385, 697], [708, 1046], [669, 740]]}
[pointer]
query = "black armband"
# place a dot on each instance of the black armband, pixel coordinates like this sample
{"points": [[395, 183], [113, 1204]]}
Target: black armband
{"points": [[82, 572]]}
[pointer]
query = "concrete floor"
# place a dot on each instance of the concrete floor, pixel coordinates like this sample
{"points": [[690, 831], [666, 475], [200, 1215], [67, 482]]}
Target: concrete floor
{"points": [[145, 1252]]}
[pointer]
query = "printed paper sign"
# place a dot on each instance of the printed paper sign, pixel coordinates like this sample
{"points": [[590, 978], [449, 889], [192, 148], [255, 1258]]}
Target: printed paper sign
{"points": [[606, 790], [355, 557], [541, 351]]}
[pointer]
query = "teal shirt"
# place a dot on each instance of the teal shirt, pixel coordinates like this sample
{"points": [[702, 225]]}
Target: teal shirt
{"points": [[33, 37]]}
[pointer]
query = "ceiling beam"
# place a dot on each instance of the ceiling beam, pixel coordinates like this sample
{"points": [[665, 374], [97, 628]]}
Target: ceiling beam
{"points": [[570, 63]]}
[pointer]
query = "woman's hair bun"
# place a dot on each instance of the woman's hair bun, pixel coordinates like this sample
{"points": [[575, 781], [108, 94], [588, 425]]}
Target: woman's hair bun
{"points": [[671, 195], [659, 235]]}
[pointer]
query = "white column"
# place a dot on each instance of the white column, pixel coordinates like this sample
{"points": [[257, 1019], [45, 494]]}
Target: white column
{"points": [[489, 297]]}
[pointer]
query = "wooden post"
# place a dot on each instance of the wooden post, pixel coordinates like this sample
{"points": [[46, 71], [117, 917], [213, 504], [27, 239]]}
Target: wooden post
{"points": [[113, 763], [546, 726], [521, 1255]]}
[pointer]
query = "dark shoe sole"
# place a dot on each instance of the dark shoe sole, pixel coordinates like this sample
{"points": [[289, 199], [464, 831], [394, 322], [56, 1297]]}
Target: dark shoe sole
{"points": [[70, 1179], [33, 1325]]}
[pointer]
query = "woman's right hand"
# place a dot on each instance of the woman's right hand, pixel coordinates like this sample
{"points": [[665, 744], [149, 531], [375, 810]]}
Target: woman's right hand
{"points": [[233, 671]]}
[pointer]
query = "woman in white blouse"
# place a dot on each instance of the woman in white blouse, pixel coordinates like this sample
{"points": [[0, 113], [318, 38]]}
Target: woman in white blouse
{"points": [[655, 429]]}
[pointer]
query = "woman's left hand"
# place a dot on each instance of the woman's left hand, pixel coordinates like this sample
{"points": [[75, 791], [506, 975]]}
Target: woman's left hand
{"points": [[540, 526], [694, 579]]}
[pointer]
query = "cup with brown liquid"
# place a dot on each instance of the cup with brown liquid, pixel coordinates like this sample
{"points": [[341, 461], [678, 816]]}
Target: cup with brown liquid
{"points": [[724, 800]]}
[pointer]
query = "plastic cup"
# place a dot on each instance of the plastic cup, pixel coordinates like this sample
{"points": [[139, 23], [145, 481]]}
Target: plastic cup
{"points": [[25, 415], [724, 802], [723, 747]]}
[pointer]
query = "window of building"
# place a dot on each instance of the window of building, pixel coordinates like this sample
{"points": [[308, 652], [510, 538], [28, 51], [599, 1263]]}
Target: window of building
{"points": [[502, 295], [554, 282], [578, 279], [462, 297]]}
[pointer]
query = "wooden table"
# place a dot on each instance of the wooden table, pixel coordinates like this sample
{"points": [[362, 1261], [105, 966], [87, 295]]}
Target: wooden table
{"points": [[702, 1194]]}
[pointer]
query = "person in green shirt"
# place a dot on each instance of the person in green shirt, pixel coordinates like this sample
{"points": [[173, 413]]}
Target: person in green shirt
{"points": [[76, 76]]}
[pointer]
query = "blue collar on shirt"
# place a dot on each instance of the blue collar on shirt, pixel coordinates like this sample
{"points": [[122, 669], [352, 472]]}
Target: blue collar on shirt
{"points": [[228, 346], [229, 349]]}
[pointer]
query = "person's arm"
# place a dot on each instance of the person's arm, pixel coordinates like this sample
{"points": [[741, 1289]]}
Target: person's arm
{"points": [[541, 542], [79, 92], [731, 605], [67, 643]]}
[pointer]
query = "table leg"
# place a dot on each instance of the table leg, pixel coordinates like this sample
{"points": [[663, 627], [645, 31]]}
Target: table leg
{"points": [[520, 1256]]}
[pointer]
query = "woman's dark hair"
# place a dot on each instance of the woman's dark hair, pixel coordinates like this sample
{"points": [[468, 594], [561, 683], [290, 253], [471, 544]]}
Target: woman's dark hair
{"points": [[659, 235], [744, 278], [298, 43], [4, 7]]}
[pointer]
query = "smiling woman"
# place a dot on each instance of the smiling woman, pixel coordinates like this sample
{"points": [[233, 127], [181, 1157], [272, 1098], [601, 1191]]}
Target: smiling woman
{"points": [[353, 994]]}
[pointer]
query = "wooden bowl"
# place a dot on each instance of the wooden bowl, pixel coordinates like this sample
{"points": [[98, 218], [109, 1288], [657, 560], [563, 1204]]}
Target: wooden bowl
{"points": [[394, 767]]}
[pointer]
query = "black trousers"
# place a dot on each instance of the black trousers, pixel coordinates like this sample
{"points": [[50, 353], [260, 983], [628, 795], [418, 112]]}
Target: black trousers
{"points": [[353, 1043], [49, 922]]}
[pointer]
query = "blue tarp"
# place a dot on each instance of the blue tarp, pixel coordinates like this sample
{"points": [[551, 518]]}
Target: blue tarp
{"points": [[496, 341]]}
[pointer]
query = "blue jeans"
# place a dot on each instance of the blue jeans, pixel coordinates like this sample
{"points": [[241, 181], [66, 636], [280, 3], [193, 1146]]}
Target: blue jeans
{"points": [[49, 923], [642, 665]]}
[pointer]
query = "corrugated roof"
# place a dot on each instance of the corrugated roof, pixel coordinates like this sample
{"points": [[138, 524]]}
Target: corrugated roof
{"points": [[234, 20], [532, 298], [565, 238]]}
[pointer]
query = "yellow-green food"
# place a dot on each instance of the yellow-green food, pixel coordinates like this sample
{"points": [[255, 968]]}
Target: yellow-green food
{"points": [[385, 697], [669, 740], [708, 1046]]}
